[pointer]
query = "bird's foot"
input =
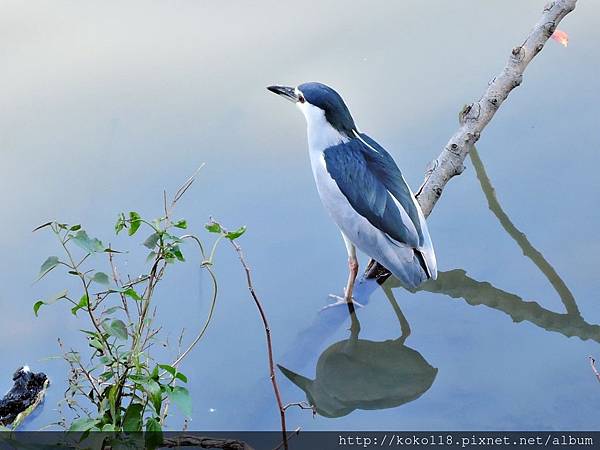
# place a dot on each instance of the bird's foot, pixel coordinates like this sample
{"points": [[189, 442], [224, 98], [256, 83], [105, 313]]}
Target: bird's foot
{"points": [[339, 300]]}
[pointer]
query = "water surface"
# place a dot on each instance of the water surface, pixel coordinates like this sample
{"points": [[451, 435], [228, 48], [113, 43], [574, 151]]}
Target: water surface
{"points": [[103, 108]]}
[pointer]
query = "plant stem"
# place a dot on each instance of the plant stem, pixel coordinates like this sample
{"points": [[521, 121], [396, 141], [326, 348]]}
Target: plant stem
{"points": [[265, 322]]}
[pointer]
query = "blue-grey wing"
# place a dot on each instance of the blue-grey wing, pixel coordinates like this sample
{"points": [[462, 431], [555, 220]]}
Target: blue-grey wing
{"points": [[385, 168], [361, 182]]}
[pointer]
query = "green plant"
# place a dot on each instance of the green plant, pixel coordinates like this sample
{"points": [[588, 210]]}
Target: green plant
{"points": [[117, 374]]}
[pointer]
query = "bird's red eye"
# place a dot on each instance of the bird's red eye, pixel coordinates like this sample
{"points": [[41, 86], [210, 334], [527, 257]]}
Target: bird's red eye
{"points": [[301, 98]]}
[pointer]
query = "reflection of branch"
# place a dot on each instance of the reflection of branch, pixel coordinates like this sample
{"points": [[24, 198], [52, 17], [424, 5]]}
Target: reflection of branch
{"points": [[475, 117], [593, 364], [520, 238], [404, 325], [456, 284]]}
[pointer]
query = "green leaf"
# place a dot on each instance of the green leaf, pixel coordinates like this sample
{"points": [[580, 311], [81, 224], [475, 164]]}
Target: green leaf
{"points": [[90, 245], [52, 300], [213, 227], [181, 224], [94, 342], [177, 252], [50, 263], [75, 228], [101, 278], [83, 424], [106, 376], [174, 238], [174, 373], [137, 378], [181, 397], [113, 393], [232, 235], [109, 427], [135, 220], [154, 435], [120, 223], [36, 307], [152, 388], [133, 417], [130, 292], [152, 240], [172, 370], [83, 303], [118, 329], [181, 377], [111, 310]]}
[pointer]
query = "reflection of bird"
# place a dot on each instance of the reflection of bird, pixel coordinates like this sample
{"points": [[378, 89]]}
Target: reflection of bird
{"points": [[362, 374], [362, 188], [372, 375]]}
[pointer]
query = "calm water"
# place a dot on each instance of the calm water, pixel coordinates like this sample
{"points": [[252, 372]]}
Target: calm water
{"points": [[103, 109]]}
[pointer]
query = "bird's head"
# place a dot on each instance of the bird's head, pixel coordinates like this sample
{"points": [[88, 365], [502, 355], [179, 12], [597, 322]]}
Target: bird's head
{"points": [[318, 101]]}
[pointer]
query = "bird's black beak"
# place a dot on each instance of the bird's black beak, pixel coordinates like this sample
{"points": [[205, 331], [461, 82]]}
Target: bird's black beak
{"points": [[288, 93]]}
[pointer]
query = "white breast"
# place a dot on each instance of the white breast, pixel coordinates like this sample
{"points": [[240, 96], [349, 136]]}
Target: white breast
{"points": [[321, 135]]}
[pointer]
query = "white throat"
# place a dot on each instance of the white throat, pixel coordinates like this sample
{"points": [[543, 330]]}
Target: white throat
{"points": [[321, 134]]}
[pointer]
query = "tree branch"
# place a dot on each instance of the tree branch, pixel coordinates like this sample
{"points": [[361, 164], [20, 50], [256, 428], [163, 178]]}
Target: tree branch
{"points": [[475, 117]]}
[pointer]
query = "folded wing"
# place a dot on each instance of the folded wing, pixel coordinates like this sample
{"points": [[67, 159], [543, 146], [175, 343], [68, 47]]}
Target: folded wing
{"points": [[369, 178]]}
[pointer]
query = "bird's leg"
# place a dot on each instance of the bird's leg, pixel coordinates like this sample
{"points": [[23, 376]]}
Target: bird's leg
{"points": [[352, 273]]}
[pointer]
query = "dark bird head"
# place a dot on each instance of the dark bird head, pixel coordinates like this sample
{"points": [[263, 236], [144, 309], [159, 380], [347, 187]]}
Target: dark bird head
{"points": [[317, 100]]}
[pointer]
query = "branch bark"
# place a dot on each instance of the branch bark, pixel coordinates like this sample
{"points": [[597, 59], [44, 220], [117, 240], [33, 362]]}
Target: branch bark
{"points": [[475, 117]]}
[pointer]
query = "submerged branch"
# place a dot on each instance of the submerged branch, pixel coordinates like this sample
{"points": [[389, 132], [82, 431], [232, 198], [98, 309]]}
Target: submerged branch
{"points": [[205, 442]]}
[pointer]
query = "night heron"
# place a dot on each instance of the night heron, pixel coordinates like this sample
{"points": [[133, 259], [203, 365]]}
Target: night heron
{"points": [[363, 190]]}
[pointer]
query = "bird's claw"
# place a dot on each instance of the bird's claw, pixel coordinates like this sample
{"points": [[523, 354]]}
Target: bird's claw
{"points": [[340, 301]]}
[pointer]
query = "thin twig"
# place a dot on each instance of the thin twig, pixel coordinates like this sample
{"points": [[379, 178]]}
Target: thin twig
{"points": [[185, 186], [301, 405], [117, 281], [267, 329], [296, 432]]}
